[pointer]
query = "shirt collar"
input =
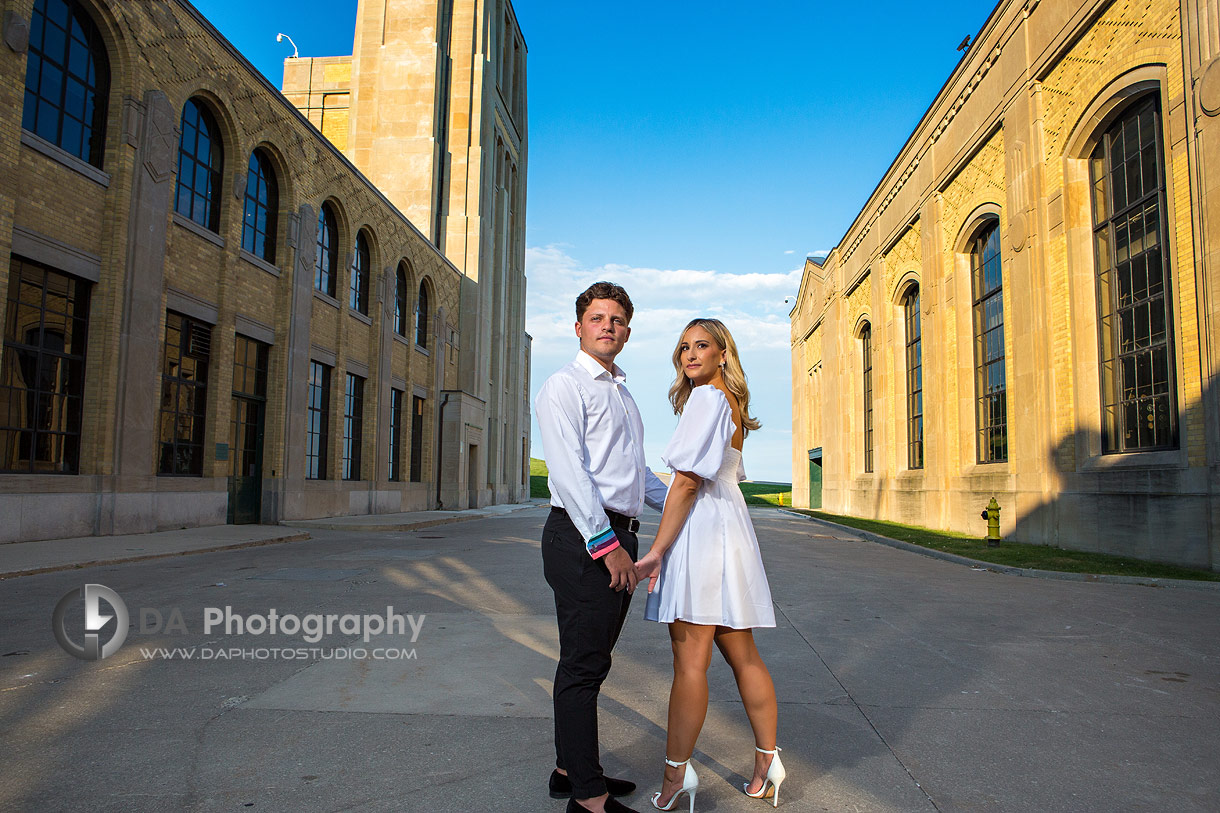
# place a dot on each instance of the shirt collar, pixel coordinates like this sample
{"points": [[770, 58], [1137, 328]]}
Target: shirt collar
{"points": [[594, 368]]}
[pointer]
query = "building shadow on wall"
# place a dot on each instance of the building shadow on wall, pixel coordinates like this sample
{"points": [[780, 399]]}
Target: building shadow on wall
{"points": [[1155, 505]]}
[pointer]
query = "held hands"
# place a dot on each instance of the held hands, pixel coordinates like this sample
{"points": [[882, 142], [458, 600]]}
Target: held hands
{"points": [[649, 567], [622, 570]]}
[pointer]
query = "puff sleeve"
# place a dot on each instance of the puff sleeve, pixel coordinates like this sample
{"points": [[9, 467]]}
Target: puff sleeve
{"points": [[703, 433]]}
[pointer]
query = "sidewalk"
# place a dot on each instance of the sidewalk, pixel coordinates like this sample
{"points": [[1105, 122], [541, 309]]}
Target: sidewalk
{"points": [[26, 558]]}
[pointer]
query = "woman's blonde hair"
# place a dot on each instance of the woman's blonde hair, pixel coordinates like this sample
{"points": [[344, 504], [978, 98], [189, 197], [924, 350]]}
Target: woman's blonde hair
{"points": [[734, 376]]}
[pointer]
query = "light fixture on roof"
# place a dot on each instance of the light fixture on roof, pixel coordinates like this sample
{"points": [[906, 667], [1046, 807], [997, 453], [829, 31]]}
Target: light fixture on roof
{"points": [[282, 37]]}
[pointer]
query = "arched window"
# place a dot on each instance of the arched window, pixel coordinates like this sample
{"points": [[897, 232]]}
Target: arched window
{"points": [[400, 302], [326, 261], [421, 316], [67, 80], [1135, 320], [866, 346], [359, 293], [200, 157], [991, 389], [262, 204], [914, 348]]}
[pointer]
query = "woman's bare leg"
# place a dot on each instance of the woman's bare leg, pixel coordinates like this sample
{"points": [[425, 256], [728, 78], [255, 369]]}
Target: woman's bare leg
{"points": [[757, 693], [692, 647]]}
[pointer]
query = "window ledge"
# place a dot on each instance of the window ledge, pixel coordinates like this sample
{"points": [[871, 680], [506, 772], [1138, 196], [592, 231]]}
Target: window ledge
{"points": [[422, 350], [1000, 468], [59, 155], [401, 339], [1163, 459], [258, 262], [195, 228], [327, 298], [360, 317]]}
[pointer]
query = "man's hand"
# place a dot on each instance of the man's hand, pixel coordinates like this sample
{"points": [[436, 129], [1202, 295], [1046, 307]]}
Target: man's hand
{"points": [[622, 570]]}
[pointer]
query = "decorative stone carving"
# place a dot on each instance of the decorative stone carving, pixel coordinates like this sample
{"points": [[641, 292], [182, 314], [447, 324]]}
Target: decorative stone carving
{"points": [[906, 255], [160, 136], [1018, 231], [16, 32], [860, 298], [1209, 89]]}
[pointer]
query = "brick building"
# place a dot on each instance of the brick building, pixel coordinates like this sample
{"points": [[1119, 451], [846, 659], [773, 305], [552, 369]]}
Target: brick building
{"points": [[1025, 306], [215, 315]]}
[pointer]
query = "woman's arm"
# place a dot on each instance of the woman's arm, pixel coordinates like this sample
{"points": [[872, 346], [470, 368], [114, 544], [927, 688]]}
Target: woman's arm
{"points": [[677, 507]]}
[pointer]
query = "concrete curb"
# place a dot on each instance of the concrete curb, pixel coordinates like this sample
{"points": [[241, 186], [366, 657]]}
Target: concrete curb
{"points": [[142, 557], [1182, 584]]}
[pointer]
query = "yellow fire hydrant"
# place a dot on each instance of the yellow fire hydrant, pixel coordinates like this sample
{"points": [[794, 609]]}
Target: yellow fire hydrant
{"points": [[992, 514]]}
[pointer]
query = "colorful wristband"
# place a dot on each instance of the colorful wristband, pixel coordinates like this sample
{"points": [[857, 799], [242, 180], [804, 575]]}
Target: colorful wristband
{"points": [[602, 543]]}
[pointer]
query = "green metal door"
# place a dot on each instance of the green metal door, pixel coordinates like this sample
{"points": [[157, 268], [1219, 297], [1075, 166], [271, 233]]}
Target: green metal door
{"points": [[246, 432], [815, 478]]}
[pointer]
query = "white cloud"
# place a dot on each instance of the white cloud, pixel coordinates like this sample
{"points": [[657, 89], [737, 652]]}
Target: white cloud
{"points": [[751, 305]]}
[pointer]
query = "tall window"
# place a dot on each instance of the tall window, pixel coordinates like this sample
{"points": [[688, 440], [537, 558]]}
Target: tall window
{"points": [[417, 439], [262, 204], [67, 80], [184, 395], [318, 423], [249, 407], [200, 158], [396, 398], [1138, 390], [910, 310], [359, 294], [326, 263], [353, 426], [866, 346], [421, 316], [400, 302], [42, 370], [990, 383]]}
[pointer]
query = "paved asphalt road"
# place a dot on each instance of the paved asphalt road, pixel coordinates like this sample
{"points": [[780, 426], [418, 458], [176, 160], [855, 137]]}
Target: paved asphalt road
{"points": [[905, 684]]}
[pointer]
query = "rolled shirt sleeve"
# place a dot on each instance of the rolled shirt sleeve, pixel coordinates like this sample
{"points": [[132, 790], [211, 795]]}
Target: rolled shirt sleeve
{"points": [[561, 416]]}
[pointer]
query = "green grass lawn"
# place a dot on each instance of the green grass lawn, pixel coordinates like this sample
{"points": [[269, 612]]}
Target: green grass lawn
{"points": [[538, 479], [767, 494], [1016, 554], [755, 493]]}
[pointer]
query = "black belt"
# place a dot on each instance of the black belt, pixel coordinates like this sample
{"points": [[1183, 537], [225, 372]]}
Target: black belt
{"points": [[618, 521]]}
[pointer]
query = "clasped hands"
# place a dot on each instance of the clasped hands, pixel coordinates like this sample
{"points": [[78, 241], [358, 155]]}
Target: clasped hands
{"points": [[625, 574]]}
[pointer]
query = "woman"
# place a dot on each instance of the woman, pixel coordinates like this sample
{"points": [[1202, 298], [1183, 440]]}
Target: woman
{"points": [[706, 577]]}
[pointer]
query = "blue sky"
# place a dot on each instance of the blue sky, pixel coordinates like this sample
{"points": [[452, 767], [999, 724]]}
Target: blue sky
{"points": [[695, 152]]}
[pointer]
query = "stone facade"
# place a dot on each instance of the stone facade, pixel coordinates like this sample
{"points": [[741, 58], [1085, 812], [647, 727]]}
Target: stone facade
{"points": [[147, 447], [1041, 381], [433, 99]]}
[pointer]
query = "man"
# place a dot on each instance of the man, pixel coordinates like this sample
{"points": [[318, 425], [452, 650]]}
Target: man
{"points": [[593, 441]]}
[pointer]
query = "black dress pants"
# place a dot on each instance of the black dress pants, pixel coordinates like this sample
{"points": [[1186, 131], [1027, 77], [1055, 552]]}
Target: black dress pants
{"points": [[590, 616]]}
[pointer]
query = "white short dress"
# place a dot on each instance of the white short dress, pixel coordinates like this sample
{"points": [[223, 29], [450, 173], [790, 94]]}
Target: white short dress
{"points": [[713, 572]]}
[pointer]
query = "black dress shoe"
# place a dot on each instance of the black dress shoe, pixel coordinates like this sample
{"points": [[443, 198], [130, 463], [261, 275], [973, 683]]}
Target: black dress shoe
{"points": [[612, 806], [561, 786]]}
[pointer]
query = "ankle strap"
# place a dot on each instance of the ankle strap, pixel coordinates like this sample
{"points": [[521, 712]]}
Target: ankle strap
{"points": [[673, 764], [764, 750]]}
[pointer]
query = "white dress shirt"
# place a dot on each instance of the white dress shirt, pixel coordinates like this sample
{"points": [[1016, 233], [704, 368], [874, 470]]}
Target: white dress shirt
{"points": [[593, 442]]}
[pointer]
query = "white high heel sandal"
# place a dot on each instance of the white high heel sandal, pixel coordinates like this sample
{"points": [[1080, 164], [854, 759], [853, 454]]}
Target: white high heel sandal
{"points": [[771, 782], [690, 784]]}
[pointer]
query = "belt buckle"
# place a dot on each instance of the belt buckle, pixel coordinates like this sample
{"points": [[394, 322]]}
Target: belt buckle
{"points": [[633, 526]]}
